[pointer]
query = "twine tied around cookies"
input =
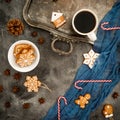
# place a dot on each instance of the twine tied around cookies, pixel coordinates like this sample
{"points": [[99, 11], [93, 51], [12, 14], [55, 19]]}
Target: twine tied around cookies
{"points": [[33, 84]]}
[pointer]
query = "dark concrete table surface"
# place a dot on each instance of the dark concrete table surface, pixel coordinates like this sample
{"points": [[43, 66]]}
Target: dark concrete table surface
{"points": [[54, 70]]}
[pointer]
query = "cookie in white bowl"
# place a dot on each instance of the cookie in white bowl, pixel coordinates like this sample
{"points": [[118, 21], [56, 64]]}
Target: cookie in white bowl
{"points": [[23, 56]]}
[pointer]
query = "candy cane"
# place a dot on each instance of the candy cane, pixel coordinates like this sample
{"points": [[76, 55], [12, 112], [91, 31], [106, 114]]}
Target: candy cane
{"points": [[109, 28], [61, 97], [89, 81]]}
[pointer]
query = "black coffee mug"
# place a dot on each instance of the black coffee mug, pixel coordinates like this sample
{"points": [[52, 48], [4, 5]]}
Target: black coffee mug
{"points": [[85, 22]]}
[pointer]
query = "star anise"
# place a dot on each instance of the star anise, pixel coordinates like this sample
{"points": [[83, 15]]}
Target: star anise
{"points": [[115, 95], [34, 34], [7, 104], [8, 1], [55, 0], [41, 100], [26, 105], [1, 88], [17, 76], [7, 72], [15, 89], [41, 40]]}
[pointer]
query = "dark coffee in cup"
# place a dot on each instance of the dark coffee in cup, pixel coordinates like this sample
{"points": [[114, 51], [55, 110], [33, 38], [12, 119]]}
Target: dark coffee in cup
{"points": [[85, 22]]}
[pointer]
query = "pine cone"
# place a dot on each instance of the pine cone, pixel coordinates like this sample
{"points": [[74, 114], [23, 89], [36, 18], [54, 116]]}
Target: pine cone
{"points": [[15, 27]]}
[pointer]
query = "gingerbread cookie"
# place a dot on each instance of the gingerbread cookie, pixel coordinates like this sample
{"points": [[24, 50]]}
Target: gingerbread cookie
{"points": [[24, 54]]}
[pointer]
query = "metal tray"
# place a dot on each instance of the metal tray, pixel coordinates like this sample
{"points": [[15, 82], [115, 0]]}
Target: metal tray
{"points": [[37, 13]]}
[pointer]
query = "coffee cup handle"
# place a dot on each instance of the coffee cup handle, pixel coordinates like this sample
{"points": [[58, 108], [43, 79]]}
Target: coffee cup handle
{"points": [[92, 36]]}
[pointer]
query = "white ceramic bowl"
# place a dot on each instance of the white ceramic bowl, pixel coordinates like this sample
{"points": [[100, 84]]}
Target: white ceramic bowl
{"points": [[11, 57]]}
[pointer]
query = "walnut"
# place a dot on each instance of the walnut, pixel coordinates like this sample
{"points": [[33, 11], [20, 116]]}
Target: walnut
{"points": [[15, 27]]}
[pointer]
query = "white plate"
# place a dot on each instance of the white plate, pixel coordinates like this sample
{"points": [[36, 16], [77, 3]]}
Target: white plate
{"points": [[11, 57]]}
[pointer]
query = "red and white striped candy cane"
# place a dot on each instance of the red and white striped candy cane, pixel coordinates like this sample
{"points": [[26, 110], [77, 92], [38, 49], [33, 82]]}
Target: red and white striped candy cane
{"points": [[61, 97], [108, 28], [89, 81]]}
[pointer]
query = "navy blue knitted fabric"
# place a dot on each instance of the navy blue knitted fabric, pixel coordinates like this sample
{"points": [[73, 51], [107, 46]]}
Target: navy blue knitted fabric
{"points": [[106, 67]]}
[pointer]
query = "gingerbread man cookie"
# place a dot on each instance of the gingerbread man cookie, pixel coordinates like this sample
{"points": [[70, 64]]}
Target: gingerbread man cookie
{"points": [[83, 100], [108, 111]]}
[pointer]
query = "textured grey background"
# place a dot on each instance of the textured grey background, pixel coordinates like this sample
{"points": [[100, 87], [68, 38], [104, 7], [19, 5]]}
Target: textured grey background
{"points": [[54, 70]]}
